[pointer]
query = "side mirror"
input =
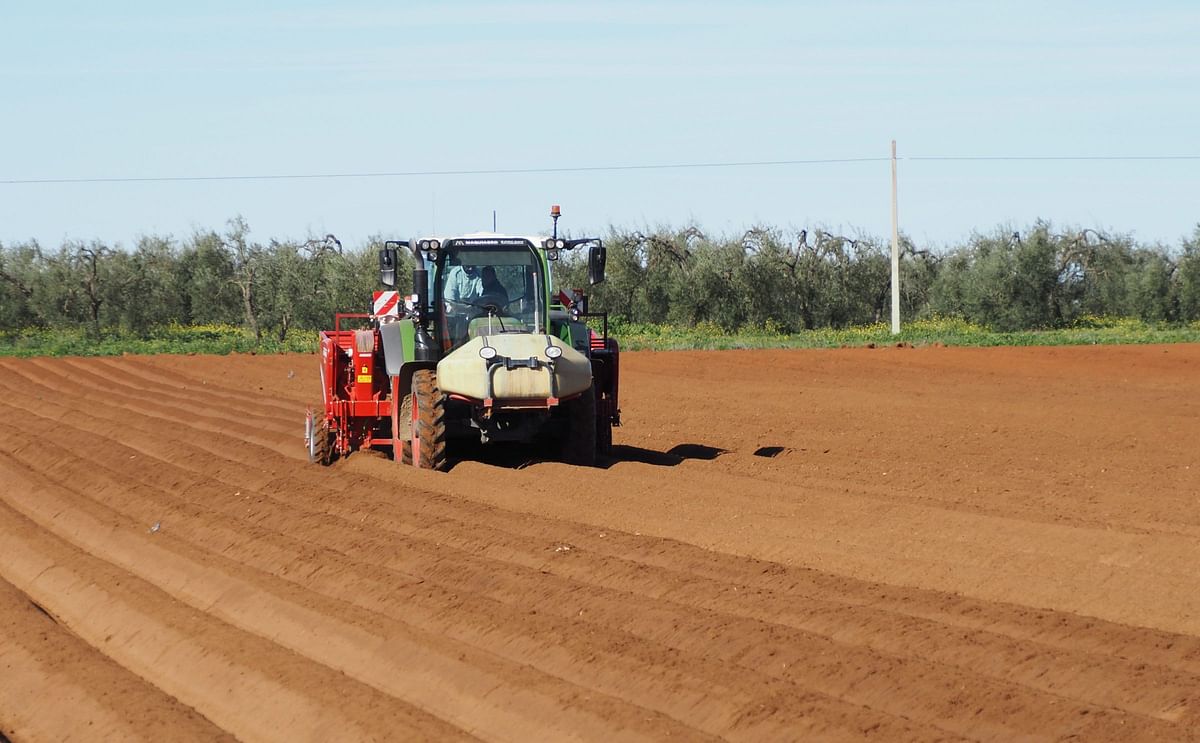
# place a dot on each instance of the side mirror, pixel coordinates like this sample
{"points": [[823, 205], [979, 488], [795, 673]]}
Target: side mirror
{"points": [[596, 258], [387, 266]]}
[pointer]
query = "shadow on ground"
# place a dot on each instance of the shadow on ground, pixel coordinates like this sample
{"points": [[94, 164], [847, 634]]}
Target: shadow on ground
{"points": [[675, 455], [770, 452], [518, 456]]}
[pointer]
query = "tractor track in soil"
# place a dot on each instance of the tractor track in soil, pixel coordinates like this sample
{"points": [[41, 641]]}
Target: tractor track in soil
{"points": [[930, 544]]}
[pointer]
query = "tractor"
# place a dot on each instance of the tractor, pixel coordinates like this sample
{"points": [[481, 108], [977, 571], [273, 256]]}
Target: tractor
{"points": [[485, 351]]}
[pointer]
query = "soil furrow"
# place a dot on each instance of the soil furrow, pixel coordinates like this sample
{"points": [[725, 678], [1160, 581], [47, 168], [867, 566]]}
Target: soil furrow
{"points": [[54, 686], [909, 606], [726, 638], [990, 544], [1053, 632], [199, 417], [104, 376], [474, 691], [253, 394], [638, 671], [250, 687]]}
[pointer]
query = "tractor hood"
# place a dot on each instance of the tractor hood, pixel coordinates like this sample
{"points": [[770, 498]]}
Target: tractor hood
{"points": [[519, 371]]}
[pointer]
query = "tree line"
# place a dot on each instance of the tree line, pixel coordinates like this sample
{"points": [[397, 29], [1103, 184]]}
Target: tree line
{"points": [[1005, 279], [1036, 278], [211, 277]]}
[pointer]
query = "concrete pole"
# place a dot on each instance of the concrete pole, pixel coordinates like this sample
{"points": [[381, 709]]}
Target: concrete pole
{"points": [[895, 251]]}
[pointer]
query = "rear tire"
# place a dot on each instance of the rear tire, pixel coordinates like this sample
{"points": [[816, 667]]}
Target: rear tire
{"points": [[579, 446], [603, 435], [428, 450]]}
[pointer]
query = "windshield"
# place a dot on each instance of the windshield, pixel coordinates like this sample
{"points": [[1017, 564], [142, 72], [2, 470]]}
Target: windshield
{"points": [[487, 290]]}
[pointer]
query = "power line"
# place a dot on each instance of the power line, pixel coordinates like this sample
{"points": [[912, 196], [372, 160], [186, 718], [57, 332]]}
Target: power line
{"points": [[592, 168], [411, 173], [1098, 158]]}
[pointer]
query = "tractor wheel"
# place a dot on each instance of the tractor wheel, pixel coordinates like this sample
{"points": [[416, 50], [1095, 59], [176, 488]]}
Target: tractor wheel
{"points": [[428, 450], [320, 449], [579, 446], [603, 435], [401, 410], [402, 450]]}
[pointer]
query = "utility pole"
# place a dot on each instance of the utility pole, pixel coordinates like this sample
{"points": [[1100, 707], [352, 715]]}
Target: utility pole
{"points": [[895, 251]]}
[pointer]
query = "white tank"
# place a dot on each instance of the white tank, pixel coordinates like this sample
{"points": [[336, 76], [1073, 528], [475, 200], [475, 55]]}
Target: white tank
{"points": [[465, 372]]}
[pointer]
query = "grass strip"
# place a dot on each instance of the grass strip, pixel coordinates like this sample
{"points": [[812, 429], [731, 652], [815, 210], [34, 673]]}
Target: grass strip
{"points": [[226, 339]]}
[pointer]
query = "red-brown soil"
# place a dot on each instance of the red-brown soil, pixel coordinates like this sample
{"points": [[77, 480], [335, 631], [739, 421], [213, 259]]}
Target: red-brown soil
{"points": [[898, 544]]}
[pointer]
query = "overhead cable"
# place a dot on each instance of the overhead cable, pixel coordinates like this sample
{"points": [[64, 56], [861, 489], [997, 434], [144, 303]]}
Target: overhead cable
{"points": [[586, 168]]}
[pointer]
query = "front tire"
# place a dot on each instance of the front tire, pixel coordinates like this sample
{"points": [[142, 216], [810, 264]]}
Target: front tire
{"points": [[428, 449], [401, 410], [579, 446]]}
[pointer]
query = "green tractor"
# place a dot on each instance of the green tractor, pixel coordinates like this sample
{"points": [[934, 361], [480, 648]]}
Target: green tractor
{"points": [[484, 351]]}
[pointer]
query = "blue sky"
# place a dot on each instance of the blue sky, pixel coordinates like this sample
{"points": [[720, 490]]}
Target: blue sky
{"points": [[137, 89]]}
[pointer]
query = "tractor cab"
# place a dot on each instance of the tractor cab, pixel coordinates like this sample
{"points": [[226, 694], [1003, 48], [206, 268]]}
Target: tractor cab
{"points": [[486, 285]]}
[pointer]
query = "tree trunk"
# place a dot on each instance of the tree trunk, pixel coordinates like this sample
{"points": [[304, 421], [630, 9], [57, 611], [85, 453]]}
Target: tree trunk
{"points": [[248, 305], [95, 305]]}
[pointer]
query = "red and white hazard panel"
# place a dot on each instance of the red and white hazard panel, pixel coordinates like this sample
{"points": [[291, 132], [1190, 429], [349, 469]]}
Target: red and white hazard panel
{"points": [[387, 304]]}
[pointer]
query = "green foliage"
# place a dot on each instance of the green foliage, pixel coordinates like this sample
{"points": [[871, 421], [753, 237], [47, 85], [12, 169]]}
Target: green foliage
{"points": [[196, 339], [939, 330], [800, 280], [87, 296], [1006, 281], [666, 287], [1187, 279], [1002, 281]]}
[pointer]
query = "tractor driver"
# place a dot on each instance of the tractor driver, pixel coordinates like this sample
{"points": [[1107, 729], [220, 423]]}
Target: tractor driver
{"points": [[462, 284], [492, 291]]}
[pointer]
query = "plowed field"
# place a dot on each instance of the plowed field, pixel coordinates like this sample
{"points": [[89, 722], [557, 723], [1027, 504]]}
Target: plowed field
{"points": [[893, 544]]}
